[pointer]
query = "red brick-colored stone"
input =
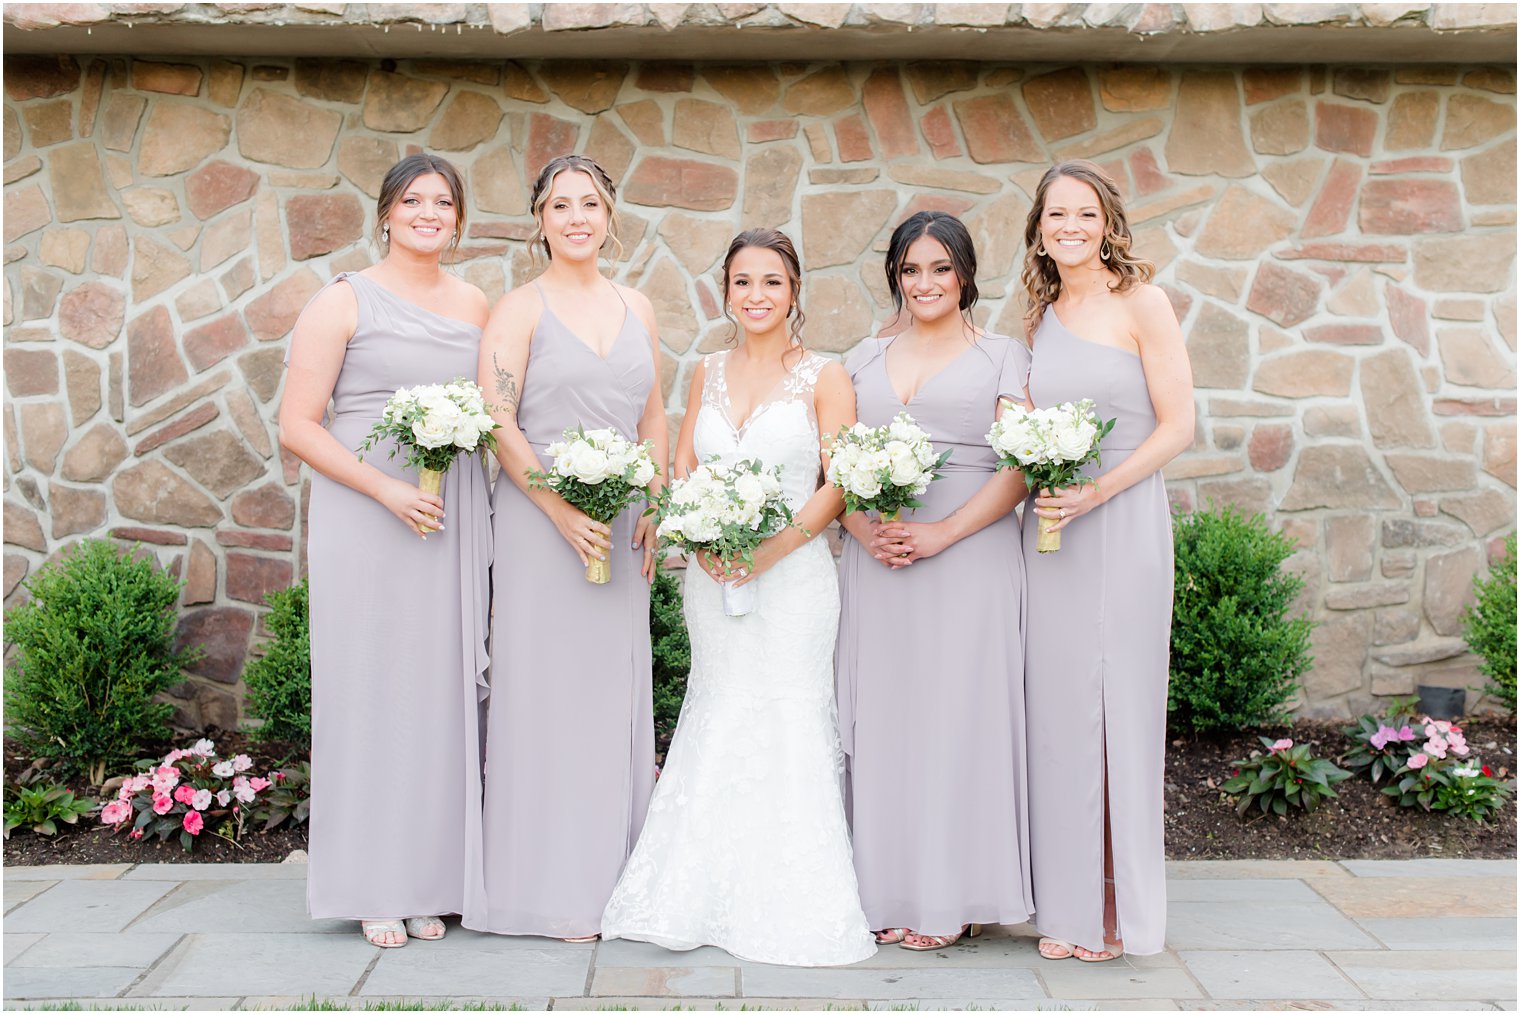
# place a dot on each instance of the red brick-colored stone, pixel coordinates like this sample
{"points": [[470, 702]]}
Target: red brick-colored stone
{"points": [[1362, 253], [1344, 128], [254, 540], [1146, 172], [1413, 164], [663, 76], [1410, 318], [1332, 208], [852, 138], [1263, 84], [30, 371], [1061, 103], [222, 634], [187, 423], [322, 223], [151, 535], [1404, 207], [1270, 447], [168, 78], [268, 506], [74, 511], [940, 133], [218, 186], [272, 315], [209, 344], [1474, 406], [1283, 296], [250, 578], [995, 131], [887, 108], [548, 136], [1345, 334], [767, 130], [682, 183], [153, 363], [39, 77], [200, 575]]}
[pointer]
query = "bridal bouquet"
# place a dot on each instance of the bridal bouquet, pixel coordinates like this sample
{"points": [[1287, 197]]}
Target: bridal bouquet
{"points": [[434, 423], [727, 510], [884, 468], [599, 472], [1050, 446]]}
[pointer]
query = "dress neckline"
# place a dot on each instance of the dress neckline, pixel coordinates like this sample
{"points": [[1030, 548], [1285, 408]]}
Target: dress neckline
{"points": [[1050, 308], [348, 275], [724, 401], [887, 372]]}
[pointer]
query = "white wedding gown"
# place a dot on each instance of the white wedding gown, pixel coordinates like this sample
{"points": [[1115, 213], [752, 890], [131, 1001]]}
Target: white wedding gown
{"points": [[746, 846]]}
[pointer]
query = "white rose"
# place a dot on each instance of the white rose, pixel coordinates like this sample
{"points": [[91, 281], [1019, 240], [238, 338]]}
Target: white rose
{"points": [[863, 483], [586, 463], [750, 489], [1071, 443], [643, 471], [905, 469], [701, 528], [435, 428]]}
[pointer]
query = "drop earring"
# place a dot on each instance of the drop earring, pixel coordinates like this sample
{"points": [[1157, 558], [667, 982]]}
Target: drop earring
{"points": [[1104, 251], [1039, 251], [385, 233]]}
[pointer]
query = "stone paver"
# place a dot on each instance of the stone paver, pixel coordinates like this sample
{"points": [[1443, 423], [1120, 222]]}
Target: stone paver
{"points": [[1241, 936], [243, 963], [1269, 975], [86, 906]]}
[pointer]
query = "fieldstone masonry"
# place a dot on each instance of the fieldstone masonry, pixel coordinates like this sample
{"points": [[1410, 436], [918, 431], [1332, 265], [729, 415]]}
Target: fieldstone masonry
{"points": [[1338, 241]]}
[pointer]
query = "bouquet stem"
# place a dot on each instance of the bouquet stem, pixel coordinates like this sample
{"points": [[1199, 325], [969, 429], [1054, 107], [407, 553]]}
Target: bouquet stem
{"points": [[1048, 541], [598, 571], [889, 516], [430, 480], [739, 601]]}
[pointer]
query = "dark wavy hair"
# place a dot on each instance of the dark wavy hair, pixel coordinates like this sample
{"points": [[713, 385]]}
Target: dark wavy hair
{"points": [[600, 180], [951, 234], [1042, 281], [769, 239], [400, 176]]}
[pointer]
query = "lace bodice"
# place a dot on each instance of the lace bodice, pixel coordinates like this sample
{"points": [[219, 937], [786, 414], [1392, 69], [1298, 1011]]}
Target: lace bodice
{"points": [[782, 429]]}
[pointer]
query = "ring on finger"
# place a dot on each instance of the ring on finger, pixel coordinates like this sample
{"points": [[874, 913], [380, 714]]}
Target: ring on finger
{"points": [[1063, 512]]}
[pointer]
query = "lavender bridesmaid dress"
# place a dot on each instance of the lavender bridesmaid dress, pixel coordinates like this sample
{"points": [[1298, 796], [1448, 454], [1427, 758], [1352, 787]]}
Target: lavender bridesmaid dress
{"points": [[570, 739], [1097, 641], [398, 653], [929, 663]]}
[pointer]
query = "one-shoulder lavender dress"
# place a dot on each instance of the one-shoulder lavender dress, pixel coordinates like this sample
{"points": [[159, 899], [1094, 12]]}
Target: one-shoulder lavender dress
{"points": [[929, 666], [1097, 643], [398, 645], [570, 740]]}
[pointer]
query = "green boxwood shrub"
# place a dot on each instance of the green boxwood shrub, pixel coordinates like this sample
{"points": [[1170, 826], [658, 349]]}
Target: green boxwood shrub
{"points": [[1490, 625], [672, 652], [94, 648], [1237, 656], [279, 680]]}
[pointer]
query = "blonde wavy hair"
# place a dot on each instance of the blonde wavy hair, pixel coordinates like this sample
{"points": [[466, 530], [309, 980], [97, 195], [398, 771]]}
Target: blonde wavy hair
{"points": [[601, 182], [1042, 281]]}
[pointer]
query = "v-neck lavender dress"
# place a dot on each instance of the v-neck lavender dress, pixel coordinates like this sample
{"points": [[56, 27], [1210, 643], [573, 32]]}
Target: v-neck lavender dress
{"points": [[570, 739], [929, 666], [398, 645], [1098, 642]]}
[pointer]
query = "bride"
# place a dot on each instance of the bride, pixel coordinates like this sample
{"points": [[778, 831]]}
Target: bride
{"points": [[745, 846]]}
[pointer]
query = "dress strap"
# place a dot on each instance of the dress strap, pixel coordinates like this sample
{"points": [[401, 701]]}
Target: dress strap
{"points": [[715, 380]]}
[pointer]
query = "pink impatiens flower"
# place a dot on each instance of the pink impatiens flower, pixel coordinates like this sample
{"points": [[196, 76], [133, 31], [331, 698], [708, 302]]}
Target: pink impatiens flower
{"points": [[1436, 747], [1418, 761], [258, 784], [116, 812], [201, 799], [223, 798], [241, 790], [194, 822], [162, 804], [1406, 734], [222, 769], [1282, 744], [241, 763], [184, 793]]}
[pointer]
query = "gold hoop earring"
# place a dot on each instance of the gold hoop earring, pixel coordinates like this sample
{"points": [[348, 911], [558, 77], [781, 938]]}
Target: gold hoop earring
{"points": [[1104, 251], [1039, 251]]}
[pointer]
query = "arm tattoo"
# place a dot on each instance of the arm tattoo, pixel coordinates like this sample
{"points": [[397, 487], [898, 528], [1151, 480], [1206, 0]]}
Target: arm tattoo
{"points": [[506, 386]]}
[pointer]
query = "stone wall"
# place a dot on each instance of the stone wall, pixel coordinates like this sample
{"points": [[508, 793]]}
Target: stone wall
{"points": [[1338, 241]]}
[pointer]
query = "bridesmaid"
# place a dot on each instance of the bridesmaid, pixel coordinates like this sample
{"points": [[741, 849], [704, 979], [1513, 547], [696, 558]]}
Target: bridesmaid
{"points": [[931, 703], [570, 743], [1099, 613], [398, 612]]}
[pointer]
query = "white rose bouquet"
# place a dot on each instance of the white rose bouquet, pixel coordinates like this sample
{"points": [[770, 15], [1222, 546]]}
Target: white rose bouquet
{"points": [[884, 468], [434, 423], [1050, 446], [727, 510], [599, 472]]}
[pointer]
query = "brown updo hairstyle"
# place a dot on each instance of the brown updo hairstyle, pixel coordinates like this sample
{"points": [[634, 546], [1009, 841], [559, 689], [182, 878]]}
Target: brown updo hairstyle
{"points": [[1042, 281], [769, 239], [400, 176], [600, 182]]}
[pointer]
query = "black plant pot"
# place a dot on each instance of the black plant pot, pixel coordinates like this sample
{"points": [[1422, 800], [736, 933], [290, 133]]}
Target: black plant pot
{"points": [[1446, 703]]}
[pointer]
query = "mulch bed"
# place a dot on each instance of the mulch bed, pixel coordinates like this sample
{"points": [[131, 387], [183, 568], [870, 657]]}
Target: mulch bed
{"points": [[1200, 821]]}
